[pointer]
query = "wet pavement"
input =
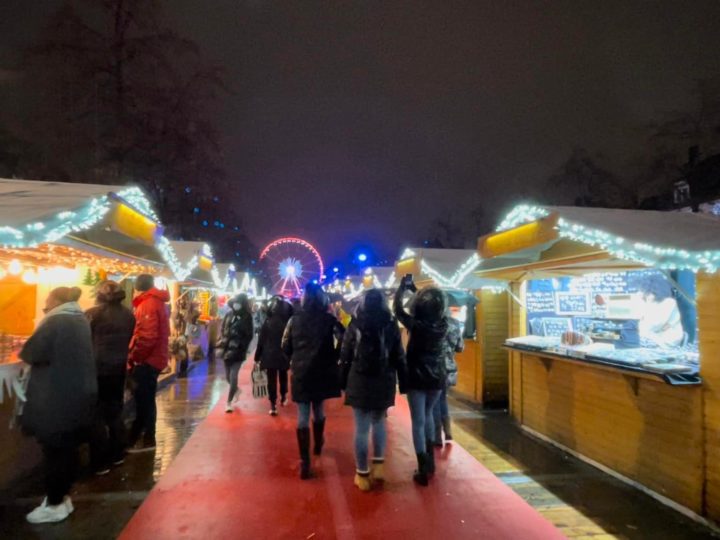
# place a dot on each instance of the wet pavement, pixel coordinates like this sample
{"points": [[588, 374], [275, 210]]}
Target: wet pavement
{"points": [[582, 501], [103, 505]]}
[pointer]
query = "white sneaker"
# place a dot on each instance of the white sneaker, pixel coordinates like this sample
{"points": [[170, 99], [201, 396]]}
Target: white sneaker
{"points": [[68, 504], [49, 514], [228, 408]]}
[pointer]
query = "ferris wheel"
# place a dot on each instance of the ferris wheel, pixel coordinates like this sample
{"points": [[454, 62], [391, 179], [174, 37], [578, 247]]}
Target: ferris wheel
{"points": [[291, 263]]}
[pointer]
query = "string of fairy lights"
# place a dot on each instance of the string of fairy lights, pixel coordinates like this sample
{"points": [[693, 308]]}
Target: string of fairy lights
{"points": [[29, 251], [663, 257]]}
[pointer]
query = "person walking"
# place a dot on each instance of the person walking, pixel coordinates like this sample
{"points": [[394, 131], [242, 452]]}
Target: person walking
{"points": [[235, 337], [427, 327], [149, 352], [112, 326], [312, 341], [269, 350], [61, 397], [372, 360], [454, 343]]}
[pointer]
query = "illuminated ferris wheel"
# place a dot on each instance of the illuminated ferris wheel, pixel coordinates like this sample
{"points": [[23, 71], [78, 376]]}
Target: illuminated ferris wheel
{"points": [[291, 263]]}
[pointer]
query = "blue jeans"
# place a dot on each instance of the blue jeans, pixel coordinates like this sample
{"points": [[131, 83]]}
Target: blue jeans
{"points": [[364, 420], [421, 412], [440, 412], [304, 413]]}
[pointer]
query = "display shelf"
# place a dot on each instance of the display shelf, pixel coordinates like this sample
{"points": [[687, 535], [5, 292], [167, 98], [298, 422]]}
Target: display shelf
{"points": [[672, 378]]}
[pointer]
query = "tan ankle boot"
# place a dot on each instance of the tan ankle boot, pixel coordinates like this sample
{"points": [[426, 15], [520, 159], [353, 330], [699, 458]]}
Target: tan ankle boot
{"points": [[362, 481]]}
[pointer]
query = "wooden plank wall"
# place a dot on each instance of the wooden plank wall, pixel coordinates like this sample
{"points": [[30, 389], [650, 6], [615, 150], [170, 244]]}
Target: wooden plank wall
{"points": [[516, 327], [467, 370], [708, 310], [493, 387], [648, 431]]}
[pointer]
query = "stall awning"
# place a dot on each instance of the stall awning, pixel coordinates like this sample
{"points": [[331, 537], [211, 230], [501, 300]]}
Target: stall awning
{"points": [[536, 238], [449, 268], [197, 259]]}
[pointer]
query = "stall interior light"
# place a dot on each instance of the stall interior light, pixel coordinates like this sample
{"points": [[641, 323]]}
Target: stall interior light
{"points": [[15, 267], [30, 277], [663, 257]]}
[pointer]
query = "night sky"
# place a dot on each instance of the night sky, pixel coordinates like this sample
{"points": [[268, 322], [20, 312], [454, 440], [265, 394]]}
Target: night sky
{"points": [[364, 121]]}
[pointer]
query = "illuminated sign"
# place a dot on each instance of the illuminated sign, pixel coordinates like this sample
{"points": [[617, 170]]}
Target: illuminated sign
{"points": [[131, 223], [522, 237]]}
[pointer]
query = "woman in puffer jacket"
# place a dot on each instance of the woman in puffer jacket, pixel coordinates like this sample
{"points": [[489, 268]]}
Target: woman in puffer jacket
{"points": [[112, 325], [373, 360], [269, 350], [61, 397], [312, 341], [427, 327], [237, 334]]}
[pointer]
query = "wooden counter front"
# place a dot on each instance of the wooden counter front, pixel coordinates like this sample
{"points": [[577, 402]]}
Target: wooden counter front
{"points": [[641, 427]]}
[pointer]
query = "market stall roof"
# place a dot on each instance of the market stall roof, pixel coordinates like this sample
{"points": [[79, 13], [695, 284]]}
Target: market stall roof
{"points": [[449, 268], [86, 216], [197, 259], [602, 237], [224, 275], [383, 277]]}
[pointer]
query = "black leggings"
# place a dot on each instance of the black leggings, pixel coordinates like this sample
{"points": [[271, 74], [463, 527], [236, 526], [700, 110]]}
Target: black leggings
{"points": [[273, 376], [61, 463]]}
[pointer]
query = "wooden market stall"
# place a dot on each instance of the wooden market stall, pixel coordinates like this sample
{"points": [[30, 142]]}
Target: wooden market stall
{"points": [[59, 234], [194, 296], [481, 306], [614, 353]]}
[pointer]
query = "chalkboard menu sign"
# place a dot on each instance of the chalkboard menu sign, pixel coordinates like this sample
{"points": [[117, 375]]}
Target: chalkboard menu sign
{"points": [[556, 326], [570, 303], [540, 302]]}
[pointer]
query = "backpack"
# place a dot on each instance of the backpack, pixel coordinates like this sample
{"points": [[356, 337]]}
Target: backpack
{"points": [[371, 352]]}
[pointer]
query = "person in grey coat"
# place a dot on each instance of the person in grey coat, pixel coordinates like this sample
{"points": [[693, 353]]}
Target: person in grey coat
{"points": [[61, 396]]}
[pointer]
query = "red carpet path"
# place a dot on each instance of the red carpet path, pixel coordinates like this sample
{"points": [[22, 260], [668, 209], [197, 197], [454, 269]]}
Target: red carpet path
{"points": [[237, 477]]}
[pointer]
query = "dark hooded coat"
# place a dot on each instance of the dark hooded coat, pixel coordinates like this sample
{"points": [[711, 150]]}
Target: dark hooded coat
{"points": [[269, 348], [372, 389], [427, 345], [312, 341]]}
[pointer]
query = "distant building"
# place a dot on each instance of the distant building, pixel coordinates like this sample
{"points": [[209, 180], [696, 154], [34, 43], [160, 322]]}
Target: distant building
{"points": [[698, 190]]}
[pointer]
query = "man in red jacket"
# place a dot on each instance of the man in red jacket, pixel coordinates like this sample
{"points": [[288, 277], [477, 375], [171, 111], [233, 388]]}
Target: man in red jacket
{"points": [[149, 351]]}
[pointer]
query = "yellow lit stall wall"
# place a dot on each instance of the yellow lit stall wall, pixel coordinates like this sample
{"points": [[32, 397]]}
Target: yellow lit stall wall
{"points": [[708, 300], [205, 263], [493, 329], [133, 224], [17, 306], [517, 323], [519, 238], [467, 362]]}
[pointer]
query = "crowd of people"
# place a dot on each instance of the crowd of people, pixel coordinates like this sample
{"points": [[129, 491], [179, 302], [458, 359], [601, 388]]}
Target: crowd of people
{"points": [[80, 364], [366, 361]]}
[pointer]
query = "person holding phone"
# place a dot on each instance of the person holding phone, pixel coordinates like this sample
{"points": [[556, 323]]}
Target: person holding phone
{"points": [[427, 325]]}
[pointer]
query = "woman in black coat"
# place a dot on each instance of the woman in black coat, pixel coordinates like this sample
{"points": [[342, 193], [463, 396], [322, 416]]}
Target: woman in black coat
{"points": [[372, 360], [312, 341], [112, 325], [236, 335], [427, 374], [269, 350], [61, 396]]}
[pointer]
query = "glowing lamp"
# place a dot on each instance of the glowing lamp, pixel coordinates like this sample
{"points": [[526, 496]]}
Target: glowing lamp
{"points": [[336, 269], [29, 277], [15, 267], [362, 257]]}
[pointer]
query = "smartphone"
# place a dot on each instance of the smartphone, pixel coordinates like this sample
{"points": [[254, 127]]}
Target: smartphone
{"points": [[408, 280]]}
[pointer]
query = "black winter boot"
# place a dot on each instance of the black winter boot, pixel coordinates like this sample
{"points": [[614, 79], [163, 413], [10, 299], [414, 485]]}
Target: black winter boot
{"points": [[318, 435], [421, 476], [430, 447], [447, 428], [438, 436], [303, 438]]}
